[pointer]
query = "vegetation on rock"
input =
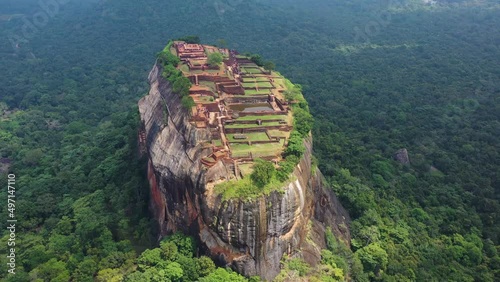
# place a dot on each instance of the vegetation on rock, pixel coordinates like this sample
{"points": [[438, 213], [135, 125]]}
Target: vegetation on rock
{"points": [[180, 83]]}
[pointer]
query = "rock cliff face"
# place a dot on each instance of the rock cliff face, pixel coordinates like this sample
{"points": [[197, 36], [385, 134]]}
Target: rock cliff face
{"points": [[251, 236]]}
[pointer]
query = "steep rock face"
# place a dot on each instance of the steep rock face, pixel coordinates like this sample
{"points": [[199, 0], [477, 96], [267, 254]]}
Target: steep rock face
{"points": [[252, 236]]}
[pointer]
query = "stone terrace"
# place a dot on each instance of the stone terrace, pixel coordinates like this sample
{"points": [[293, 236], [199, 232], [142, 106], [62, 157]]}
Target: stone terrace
{"points": [[239, 102]]}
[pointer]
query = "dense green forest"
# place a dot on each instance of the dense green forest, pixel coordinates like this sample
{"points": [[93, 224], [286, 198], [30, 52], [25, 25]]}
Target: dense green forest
{"points": [[379, 76]]}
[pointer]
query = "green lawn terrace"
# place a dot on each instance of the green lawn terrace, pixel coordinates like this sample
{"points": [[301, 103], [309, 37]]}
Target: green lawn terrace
{"points": [[257, 85], [239, 127], [263, 84], [257, 135], [254, 92], [248, 79], [258, 123], [264, 118], [249, 137], [255, 80], [249, 70]]}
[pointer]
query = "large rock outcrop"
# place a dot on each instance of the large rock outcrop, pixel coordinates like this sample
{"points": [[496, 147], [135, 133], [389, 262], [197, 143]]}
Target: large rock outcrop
{"points": [[253, 235]]}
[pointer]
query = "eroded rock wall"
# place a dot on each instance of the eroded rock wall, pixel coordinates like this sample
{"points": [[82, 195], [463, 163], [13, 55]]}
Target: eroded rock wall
{"points": [[251, 236]]}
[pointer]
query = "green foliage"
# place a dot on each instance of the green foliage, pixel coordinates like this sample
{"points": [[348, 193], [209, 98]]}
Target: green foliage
{"points": [[168, 250], [191, 39], [256, 58], [152, 275], [189, 268], [116, 260], [331, 242], [338, 256], [180, 83], [109, 275], [181, 86], [299, 265], [167, 58], [293, 268], [205, 266], [223, 275], [214, 59], [86, 269], [221, 43], [171, 73], [53, 270], [355, 196], [373, 257], [70, 223], [295, 145], [174, 272], [329, 260], [293, 92], [187, 102], [302, 121], [286, 167], [263, 173]]}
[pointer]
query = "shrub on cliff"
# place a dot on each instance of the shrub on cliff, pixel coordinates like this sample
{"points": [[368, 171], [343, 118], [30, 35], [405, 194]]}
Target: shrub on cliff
{"points": [[286, 167], [303, 121], [180, 83], [170, 72], [295, 145], [167, 58], [263, 173]]}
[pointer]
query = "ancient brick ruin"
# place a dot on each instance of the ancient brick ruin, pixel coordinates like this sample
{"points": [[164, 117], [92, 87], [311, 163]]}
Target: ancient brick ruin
{"points": [[239, 102]]}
